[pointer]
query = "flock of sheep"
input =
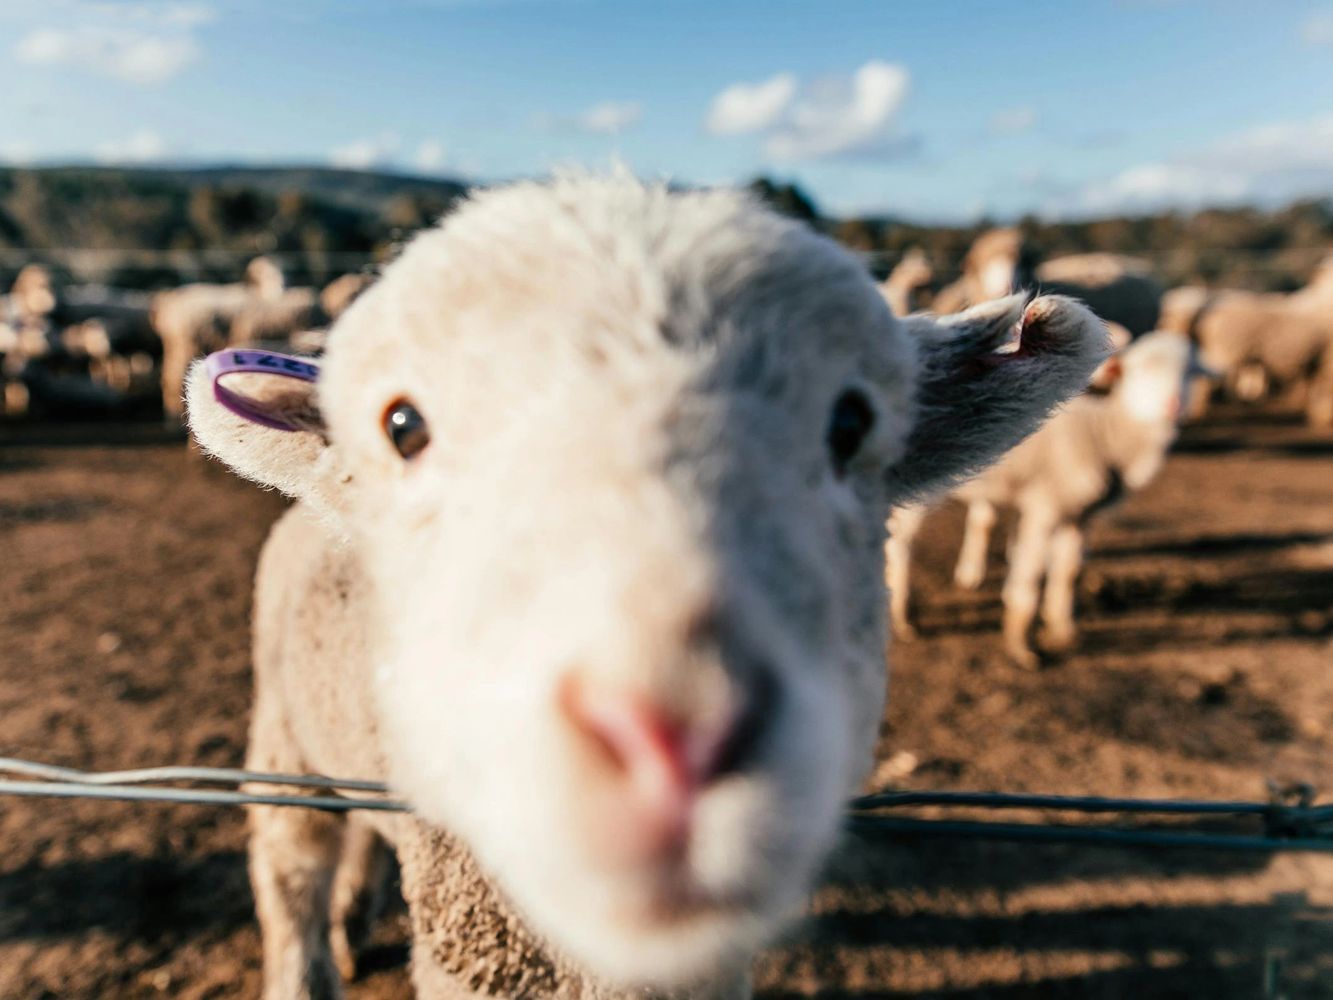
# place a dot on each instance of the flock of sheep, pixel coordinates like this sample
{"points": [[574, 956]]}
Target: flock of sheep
{"points": [[89, 348], [1174, 351], [588, 552]]}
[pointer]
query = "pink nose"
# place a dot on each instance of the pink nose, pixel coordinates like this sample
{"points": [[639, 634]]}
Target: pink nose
{"points": [[658, 765]]}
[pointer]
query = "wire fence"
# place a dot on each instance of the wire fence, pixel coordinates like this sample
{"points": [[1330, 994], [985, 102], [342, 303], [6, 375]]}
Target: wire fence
{"points": [[1280, 258], [1291, 821]]}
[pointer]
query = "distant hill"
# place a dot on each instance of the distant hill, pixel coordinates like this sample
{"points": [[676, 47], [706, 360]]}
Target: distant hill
{"points": [[356, 189], [156, 227], [146, 228]]}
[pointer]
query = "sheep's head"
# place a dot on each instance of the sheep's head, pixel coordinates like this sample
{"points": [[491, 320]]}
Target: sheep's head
{"points": [[264, 278], [32, 293], [998, 262], [1150, 378], [617, 463], [913, 271]]}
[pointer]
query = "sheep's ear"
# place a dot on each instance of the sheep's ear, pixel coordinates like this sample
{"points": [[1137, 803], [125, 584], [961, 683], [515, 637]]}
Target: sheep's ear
{"points": [[258, 413], [986, 379], [1108, 373]]}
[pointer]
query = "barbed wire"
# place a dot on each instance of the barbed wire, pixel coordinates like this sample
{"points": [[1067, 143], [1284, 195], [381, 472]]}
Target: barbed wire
{"points": [[1302, 826]]}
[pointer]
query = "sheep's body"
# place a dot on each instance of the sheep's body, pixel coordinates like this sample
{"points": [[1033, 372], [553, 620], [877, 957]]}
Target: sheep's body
{"points": [[618, 628], [196, 319], [193, 320], [276, 319], [1086, 458], [1256, 340], [1181, 306]]}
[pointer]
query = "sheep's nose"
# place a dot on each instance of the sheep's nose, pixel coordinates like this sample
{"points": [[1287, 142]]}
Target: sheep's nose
{"points": [[658, 762]]}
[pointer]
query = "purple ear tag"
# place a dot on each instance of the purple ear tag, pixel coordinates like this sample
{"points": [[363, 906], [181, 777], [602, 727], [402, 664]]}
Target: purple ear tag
{"points": [[235, 361]]}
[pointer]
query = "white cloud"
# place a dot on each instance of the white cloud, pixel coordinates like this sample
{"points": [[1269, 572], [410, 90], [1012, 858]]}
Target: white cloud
{"points": [[609, 117], [1013, 121], [751, 107], [144, 146], [430, 157], [363, 154], [833, 117], [1266, 165], [133, 48], [1317, 28]]}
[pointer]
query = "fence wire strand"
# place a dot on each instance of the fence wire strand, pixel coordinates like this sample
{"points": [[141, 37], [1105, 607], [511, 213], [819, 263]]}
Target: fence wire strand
{"points": [[1302, 826]]}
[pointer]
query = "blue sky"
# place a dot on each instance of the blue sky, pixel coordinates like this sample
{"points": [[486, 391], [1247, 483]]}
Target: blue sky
{"points": [[932, 109]]}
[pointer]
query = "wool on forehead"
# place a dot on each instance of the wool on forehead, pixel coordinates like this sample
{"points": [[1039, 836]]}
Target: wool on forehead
{"points": [[642, 266]]}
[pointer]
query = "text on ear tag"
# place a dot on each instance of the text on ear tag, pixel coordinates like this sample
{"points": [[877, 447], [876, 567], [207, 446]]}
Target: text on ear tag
{"points": [[235, 361]]}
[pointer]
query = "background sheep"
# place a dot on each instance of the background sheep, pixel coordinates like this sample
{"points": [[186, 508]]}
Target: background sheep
{"points": [[1262, 341], [195, 319], [592, 495], [295, 311], [1086, 457], [1119, 289], [902, 288], [31, 298]]}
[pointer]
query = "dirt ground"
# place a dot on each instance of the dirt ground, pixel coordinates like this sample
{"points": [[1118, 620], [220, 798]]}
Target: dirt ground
{"points": [[1206, 667]]}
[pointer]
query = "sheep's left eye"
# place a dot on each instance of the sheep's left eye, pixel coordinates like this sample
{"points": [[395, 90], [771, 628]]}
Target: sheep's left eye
{"points": [[850, 423], [406, 428]]}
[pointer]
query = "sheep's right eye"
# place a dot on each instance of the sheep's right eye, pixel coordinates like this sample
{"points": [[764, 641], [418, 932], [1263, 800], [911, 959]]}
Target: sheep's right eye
{"points": [[406, 428]]}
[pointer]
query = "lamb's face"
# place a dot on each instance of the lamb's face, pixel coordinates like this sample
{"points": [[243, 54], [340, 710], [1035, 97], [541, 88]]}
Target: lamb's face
{"points": [[1154, 379], [997, 264], [631, 633], [617, 464]]}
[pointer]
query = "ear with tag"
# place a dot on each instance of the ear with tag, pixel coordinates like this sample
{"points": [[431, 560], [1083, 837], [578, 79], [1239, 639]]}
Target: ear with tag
{"points": [[986, 379], [263, 422]]}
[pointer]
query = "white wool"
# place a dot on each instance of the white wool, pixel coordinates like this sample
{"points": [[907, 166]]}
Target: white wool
{"points": [[629, 393]]}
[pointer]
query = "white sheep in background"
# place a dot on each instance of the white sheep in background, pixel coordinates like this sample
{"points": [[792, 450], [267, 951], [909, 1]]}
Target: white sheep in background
{"points": [[1260, 340], [1095, 449], [1119, 289], [295, 311], [587, 562], [194, 319], [31, 298], [902, 288]]}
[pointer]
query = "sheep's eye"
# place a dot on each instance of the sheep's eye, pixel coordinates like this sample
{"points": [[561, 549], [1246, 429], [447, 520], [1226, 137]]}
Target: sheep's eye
{"points": [[406, 428], [851, 421]]}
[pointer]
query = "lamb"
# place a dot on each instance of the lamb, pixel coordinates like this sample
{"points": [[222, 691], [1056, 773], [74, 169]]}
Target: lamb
{"points": [[1257, 340], [31, 298], [197, 318], [901, 289], [586, 562], [294, 311], [1087, 457], [1118, 289]]}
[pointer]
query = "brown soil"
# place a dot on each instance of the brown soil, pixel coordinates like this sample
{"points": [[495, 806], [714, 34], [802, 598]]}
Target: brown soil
{"points": [[1206, 667]]}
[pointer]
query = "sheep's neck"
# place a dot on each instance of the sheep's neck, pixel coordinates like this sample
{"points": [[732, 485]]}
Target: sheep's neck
{"points": [[1131, 448]]}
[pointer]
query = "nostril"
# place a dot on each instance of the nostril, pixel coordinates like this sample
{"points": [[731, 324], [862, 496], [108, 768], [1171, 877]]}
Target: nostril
{"points": [[741, 745], [621, 726]]}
